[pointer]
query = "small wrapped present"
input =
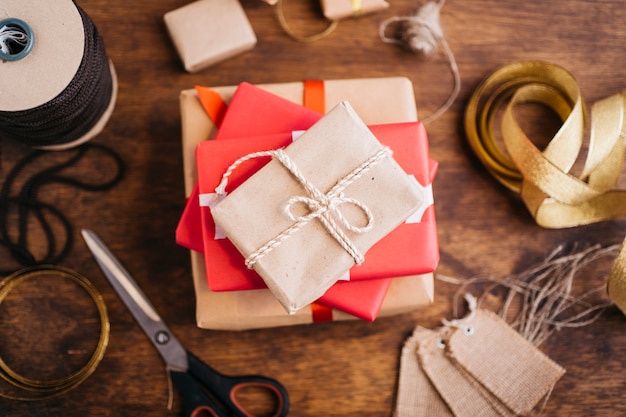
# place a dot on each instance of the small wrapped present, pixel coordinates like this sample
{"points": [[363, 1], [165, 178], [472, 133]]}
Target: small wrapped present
{"points": [[304, 219], [341, 9], [206, 32]]}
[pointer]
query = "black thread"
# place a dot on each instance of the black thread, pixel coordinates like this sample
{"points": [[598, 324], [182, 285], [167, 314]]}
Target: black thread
{"points": [[27, 205], [71, 114]]}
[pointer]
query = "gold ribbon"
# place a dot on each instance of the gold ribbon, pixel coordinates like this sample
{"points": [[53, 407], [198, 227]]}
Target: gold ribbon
{"points": [[555, 197]]}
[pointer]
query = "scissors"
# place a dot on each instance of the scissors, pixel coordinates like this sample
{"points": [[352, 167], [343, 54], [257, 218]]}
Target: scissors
{"points": [[203, 388]]}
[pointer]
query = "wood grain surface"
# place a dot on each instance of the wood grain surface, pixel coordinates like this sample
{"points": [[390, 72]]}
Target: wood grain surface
{"points": [[331, 369]]}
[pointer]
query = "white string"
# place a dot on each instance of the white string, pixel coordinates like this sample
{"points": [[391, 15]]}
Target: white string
{"points": [[422, 34]]}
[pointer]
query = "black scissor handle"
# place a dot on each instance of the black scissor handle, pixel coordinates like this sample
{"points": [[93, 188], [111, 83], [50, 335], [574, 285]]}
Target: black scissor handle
{"points": [[200, 378], [195, 397]]}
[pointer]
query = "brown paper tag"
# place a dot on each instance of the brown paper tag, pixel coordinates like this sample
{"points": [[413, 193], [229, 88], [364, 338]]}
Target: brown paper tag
{"points": [[502, 361], [417, 397], [463, 395]]}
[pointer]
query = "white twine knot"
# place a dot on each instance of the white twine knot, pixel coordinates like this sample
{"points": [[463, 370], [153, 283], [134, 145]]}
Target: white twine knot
{"points": [[323, 207], [330, 203]]}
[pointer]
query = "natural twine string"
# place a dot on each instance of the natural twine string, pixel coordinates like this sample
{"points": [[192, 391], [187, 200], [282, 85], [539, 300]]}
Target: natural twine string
{"points": [[421, 33], [544, 291], [322, 206]]}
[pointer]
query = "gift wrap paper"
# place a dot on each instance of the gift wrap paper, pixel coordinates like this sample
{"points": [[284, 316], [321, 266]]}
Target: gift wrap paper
{"points": [[301, 268], [243, 310]]}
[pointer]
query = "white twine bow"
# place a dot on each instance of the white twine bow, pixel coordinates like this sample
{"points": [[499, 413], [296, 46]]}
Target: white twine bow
{"points": [[324, 207]]}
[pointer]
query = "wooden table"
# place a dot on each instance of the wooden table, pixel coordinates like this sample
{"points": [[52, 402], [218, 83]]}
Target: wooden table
{"points": [[343, 368]]}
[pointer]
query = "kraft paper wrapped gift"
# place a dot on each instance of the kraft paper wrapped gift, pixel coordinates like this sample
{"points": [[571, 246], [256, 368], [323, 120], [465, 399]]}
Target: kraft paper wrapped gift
{"points": [[341, 9], [241, 310], [340, 171], [411, 249], [206, 32]]}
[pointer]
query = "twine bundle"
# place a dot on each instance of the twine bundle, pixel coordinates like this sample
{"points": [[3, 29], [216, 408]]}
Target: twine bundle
{"points": [[421, 33]]}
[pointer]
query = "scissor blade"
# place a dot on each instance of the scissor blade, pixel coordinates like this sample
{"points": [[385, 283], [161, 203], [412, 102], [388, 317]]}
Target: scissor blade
{"points": [[168, 346]]}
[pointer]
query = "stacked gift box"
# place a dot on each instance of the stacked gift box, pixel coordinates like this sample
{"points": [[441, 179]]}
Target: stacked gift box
{"points": [[311, 278]]}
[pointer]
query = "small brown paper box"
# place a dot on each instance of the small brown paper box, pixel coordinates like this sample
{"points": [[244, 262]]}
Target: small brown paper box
{"points": [[301, 267], [206, 32], [341, 9]]}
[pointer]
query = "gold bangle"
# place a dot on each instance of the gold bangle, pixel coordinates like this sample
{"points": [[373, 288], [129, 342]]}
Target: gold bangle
{"points": [[43, 389]]}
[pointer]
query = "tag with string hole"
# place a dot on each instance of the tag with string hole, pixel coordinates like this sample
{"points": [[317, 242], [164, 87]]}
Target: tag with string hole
{"points": [[509, 367], [417, 397], [476, 366], [463, 395]]}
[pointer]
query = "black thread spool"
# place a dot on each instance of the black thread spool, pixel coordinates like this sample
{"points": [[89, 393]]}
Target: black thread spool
{"points": [[57, 86]]}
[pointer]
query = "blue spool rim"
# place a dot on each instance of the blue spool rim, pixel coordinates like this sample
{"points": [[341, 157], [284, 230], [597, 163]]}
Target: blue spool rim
{"points": [[24, 28]]}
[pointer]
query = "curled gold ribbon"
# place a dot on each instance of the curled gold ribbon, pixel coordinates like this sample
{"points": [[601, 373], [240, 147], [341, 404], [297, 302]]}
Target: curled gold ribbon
{"points": [[555, 197]]}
